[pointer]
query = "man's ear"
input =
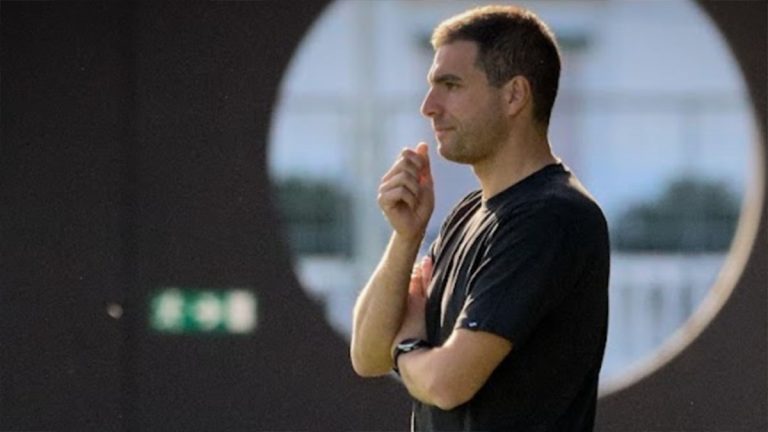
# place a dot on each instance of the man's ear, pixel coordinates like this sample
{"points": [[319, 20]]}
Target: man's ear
{"points": [[517, 94]]}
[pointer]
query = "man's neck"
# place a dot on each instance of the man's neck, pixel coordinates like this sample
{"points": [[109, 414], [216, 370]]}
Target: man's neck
{"points": [[521, 155]]}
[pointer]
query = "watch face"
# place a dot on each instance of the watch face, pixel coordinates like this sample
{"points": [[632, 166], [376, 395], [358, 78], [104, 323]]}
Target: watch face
{"points": [[406, 346], [409, 345]]}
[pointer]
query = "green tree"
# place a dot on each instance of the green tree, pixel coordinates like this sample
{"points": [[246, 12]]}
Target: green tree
{"points": [[690, 215], [315, 216]]}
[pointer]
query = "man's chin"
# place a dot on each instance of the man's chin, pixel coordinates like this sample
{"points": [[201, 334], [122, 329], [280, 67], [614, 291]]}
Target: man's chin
{"points": [[449, 153], [442, 150]]}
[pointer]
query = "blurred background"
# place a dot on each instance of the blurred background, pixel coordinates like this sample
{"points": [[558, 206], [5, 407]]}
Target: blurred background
{"points": [[653, 117]]}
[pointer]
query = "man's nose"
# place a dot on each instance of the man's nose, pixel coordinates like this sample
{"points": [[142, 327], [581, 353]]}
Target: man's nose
{"points": [[428, 105]]}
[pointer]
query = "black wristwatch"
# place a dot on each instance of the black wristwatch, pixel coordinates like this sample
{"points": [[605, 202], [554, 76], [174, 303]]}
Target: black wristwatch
{"points": [[406, 346]]}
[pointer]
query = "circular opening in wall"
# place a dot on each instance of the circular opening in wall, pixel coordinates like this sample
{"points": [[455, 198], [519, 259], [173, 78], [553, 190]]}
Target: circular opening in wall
{"points": [[653, 116]]}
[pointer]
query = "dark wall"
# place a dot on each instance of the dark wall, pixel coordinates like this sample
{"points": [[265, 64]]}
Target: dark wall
{"points": [[133, 157], [64, 98]]}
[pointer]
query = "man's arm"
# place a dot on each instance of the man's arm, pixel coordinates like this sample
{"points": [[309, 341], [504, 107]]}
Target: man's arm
{"points": [[451, 375], [380, 308], [407, 199]]}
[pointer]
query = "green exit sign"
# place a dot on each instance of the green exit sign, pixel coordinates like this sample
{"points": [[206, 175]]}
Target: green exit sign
{"points": [[183, 310]]}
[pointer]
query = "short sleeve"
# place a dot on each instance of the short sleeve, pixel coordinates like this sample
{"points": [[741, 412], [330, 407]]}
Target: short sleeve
{"points": [[526, 271]]}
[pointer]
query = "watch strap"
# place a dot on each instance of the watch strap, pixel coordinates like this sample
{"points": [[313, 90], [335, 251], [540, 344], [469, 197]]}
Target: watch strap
{"points": [[406, 346]]}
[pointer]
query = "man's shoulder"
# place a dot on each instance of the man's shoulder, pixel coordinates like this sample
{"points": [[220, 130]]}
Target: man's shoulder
{"points": [[571, 198], [566, 197], [558, 202]]}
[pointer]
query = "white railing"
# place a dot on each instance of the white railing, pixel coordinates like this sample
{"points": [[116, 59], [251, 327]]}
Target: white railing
{"points": [[651, 296]]}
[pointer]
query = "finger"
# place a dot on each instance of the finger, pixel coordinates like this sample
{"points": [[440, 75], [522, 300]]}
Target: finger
{"points": [[402, 179], [413, 156], [393, 197], [396, 197], [422, 149], [425, 174], [426, 270], [411, 164], [415, 285]]}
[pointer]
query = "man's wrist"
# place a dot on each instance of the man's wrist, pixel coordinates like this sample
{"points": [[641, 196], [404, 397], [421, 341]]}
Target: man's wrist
{"points": [[414, 239], [406, 346], [404, 250]]}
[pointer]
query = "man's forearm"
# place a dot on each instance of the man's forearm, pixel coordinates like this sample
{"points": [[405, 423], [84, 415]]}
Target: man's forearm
{"points": [[450, 375], [380, 308], [418, 374], [429, 377]]}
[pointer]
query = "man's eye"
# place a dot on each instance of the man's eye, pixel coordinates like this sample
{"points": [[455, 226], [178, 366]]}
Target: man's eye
{"points": [[451, 86]]}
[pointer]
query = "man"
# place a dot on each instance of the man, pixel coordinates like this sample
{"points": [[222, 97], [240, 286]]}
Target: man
{"points": [[502, 326]]}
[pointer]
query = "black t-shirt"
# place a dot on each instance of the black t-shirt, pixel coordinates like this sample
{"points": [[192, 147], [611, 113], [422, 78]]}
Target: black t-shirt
{"points": [[531, 265]]}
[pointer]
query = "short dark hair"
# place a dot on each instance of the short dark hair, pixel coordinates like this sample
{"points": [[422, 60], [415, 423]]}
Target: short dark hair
{"points": [[511, 41]]}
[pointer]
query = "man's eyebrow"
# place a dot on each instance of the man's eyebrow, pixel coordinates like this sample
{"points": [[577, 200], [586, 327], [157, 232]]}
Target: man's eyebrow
{"points": [[440, 79]]}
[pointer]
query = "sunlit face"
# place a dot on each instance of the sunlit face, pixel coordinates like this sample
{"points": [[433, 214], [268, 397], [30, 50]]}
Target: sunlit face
{"points": [[467, 113]]}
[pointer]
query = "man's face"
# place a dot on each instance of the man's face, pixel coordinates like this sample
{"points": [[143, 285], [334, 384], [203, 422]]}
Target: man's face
{"points": [[467, 113]]}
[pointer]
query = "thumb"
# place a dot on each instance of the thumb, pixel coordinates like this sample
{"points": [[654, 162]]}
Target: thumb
{"points": [[426, 171]]}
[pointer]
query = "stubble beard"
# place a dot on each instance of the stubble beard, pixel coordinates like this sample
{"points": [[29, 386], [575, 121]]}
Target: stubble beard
{"points": [[472, 145], [453, 148]]}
